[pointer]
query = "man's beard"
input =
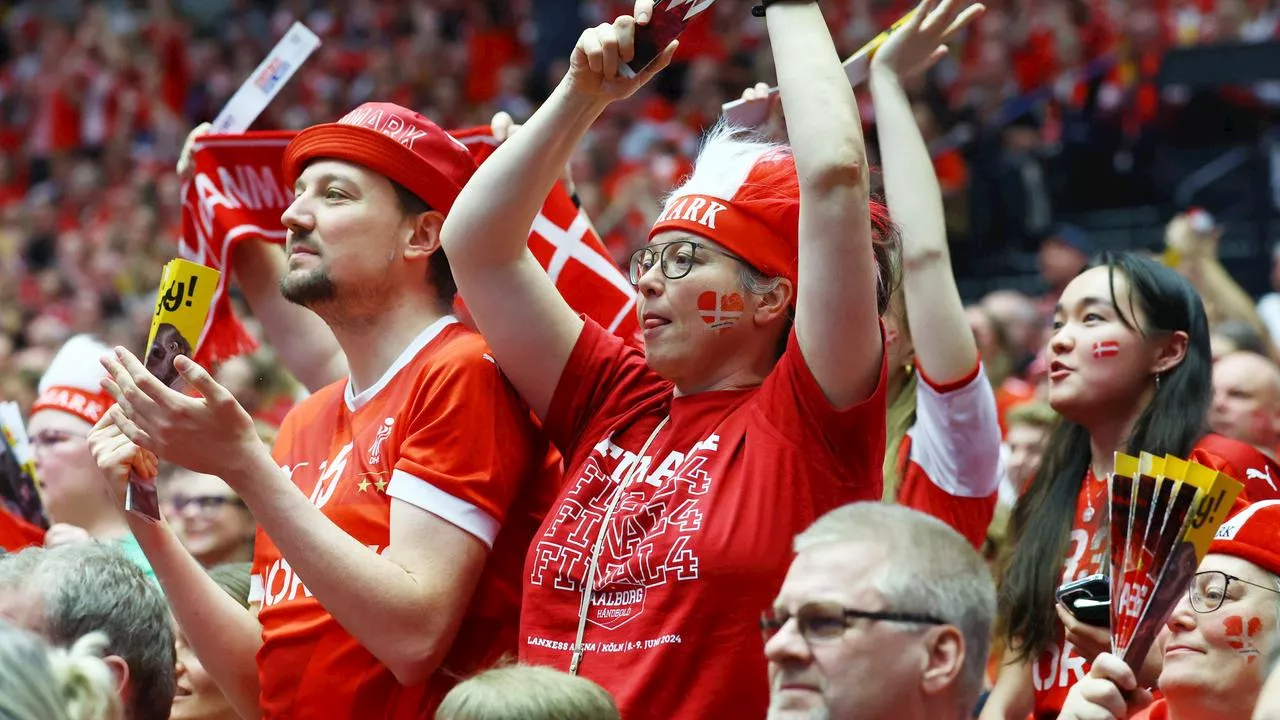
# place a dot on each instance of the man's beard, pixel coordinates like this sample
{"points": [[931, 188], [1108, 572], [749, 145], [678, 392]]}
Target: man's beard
{"points": [[308, 289]]}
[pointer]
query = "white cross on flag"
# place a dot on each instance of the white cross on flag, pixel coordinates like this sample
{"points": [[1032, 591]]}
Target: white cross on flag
{"points": [[573, 255]]}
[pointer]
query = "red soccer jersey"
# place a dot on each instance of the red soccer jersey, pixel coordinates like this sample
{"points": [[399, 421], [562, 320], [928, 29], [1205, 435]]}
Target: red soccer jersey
{"points": [[443, 431], [700, 542], [951, 455], [1059, 667]]}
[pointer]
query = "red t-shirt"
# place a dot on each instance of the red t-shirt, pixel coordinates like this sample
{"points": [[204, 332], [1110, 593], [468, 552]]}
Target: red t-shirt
{"points": [[952, 464], [700, 543], [1060, 667], [442, 430]]}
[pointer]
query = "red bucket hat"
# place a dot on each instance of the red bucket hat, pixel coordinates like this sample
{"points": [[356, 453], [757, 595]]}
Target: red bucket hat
{"points": [[392, 141], [1252, 534], [758, 220]]}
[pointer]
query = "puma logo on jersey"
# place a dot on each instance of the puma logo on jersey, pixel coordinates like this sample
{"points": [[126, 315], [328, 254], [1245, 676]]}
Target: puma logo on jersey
{"points": [[1263, 474], [375, 448]]}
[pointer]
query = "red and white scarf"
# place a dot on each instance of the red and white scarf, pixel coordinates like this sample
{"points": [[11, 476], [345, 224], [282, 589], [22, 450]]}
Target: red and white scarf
{"points": [[237, 193]]}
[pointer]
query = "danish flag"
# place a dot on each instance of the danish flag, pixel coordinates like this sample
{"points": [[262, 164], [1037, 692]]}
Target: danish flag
{"points": [[1106, 348], [574, 256]]}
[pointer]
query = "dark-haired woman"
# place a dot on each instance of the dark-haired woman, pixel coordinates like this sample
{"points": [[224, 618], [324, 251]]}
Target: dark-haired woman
{"points": [[1130, 371]]}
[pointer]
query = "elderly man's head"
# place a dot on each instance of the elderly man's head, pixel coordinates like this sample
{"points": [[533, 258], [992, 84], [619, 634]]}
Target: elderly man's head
{"points": [[1246, 400], [65, 593], [885, 613]]}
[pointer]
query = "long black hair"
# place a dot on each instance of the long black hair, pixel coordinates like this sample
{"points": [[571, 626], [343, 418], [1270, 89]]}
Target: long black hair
{"points": [[1171, 423]]}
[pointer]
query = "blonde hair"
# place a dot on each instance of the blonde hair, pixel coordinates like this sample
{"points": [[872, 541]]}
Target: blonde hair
{"points": [[38, 682], [900, 415], [1036, 413], [527, 692]]}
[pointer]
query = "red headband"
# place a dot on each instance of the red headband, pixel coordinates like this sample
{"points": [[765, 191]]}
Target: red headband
{"points": [[734, 227], [85, 405]]}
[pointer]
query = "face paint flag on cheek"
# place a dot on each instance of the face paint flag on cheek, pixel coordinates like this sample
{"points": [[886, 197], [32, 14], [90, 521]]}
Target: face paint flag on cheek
{"points": [[720, 311], [1106, 348]]}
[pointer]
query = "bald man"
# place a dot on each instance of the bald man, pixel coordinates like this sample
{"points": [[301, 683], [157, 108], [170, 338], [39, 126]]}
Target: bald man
{"points": [[1246, 400]]}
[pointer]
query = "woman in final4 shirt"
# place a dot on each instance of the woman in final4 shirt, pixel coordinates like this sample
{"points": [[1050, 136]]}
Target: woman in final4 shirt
{"points": [[757, 404], [1129, 372]]}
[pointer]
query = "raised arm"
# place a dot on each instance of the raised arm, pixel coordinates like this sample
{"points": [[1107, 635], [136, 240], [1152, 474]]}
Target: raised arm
{"points": [[225, 636], [837, 323], [515, 305], [303, 342], [945, 349]]}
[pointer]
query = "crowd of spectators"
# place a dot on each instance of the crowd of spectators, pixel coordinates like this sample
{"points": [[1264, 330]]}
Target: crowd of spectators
{"points": [[96, 97]]}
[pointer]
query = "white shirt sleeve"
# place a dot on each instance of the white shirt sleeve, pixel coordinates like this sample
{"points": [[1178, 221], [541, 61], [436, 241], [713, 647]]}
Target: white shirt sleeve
{"points": [[956, 437]]}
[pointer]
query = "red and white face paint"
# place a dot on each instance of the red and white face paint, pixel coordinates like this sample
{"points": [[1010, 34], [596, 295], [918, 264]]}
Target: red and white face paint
{"points": [[720, 310], [1242, 634], [1106, 349]]}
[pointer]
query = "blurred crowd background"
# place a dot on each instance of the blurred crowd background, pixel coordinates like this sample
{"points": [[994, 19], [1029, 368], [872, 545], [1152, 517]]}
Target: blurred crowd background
{"points": [[1049, 111]]}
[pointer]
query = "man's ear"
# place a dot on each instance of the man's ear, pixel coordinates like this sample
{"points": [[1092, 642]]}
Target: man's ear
{"points": [[120, 671], [775, 303], [944, 659], [424, 237], [1173, 350]]}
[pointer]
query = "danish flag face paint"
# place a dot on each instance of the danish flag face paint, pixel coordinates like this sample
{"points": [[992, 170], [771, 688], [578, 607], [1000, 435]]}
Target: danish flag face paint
{"points": [[1106, 348], [720, 311]]}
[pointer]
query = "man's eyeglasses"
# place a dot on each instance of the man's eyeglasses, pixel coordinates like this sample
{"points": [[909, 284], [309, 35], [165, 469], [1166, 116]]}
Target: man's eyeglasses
{"points": [[674, 258], [824, 622], [205, 505], [1209, 589]]}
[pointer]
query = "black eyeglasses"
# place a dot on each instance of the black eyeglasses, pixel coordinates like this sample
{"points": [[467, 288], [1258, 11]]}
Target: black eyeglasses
{"points": [[824, 622], [675, 259], [1209, 589]]}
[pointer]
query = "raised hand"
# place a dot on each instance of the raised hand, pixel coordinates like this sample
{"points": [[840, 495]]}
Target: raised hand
{"points": [[921, 41], [596, 65], [186, 168], [209, 434], [116, 455]]}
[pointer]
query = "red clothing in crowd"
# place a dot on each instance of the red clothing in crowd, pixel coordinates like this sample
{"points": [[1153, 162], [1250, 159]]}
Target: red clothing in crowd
{"points": [[443, 431], [699, 543], [1059, 667], [952, 455], [16, 533]]}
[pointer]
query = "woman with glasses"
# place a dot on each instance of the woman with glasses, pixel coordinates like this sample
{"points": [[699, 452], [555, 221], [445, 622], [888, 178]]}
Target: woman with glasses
{"points": [[70, 402], [756, 405], [1129, 371], [209, 518], [1217, 641]]}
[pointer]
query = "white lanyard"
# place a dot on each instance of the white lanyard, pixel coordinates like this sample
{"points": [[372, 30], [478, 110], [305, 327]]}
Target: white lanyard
{"points": [[595, 552]]}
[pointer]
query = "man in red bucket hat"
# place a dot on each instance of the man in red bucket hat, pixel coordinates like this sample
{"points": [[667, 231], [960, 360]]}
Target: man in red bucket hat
{"points": [[392, 498]]}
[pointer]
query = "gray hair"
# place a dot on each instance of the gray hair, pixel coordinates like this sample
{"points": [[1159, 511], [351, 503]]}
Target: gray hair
{"points": [[932, 570], [519, 692], [42, 683], [92, 587]]}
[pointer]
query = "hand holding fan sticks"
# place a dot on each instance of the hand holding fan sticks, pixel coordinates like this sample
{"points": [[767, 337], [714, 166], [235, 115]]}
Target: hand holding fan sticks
{"points": [[177, 327], [1164, 512]]}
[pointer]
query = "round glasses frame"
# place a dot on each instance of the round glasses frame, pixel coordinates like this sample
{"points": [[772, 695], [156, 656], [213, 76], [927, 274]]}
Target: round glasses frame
{"points": [[1208, 589], [667, 256]]}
